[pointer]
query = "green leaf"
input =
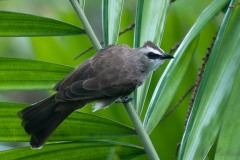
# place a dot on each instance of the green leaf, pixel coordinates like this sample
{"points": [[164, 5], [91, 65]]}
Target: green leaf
{"points": [[216, 89], [112, 12], [23, 74], [228, 142], [152, 27], [25, 25], [138, 25], [83, 150], [148, 27], [167, 86], [208, 14], [77, 126]]}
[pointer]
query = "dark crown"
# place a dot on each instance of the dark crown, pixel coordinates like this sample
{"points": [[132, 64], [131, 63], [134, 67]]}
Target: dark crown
{"points": [[152, 45]]}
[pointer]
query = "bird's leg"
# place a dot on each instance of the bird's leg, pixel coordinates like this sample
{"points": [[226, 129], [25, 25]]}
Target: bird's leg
{"points": [[124, 99]]}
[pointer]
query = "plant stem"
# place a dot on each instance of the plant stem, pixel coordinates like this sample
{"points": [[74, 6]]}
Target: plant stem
{"points": [[144, 138], [86, 24], [142, 133]]}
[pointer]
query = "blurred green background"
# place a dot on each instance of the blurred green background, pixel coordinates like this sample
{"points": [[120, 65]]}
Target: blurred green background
{"points": [[181, 15]]}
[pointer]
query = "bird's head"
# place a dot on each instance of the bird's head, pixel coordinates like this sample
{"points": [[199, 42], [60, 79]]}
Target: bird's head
{"points": [[153, 55]]}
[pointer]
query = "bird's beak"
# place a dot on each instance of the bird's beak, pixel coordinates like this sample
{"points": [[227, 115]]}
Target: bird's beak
{"points": [[166, 56]]}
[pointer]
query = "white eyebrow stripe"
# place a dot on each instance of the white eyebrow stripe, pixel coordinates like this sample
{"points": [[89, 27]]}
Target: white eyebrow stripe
{"points": [[150, 49]]}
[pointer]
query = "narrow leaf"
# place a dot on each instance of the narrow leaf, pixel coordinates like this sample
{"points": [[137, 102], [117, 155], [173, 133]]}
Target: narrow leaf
{"points": [[215, 91], [167, 87], [148, 27], [138, 25], [152, 27], [112, 12], [84, 150], [228, 142], [26, 25], [23, 74], [77, 126], [208, 14]]}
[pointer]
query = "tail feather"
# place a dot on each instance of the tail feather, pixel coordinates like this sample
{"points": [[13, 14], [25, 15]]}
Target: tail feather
{"points": [[40, 136], [41, 119], [35, 107]]}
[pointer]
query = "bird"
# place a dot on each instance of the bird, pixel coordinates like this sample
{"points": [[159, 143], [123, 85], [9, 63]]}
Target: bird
{"points": [[112, 74]]}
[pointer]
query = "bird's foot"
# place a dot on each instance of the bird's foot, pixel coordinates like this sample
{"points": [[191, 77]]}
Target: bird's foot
{"points": [[124, 99]]}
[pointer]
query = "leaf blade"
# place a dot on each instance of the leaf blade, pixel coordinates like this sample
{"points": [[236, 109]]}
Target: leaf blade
{"points": [[84, 150], [77, 126], [151, 28], [167, 86], [26, 25], [112, 12], [215, 91], [23, 74], [201, 22], [228, 141]]}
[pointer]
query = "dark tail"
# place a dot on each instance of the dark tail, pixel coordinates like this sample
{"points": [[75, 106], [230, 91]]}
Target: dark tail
{"points": [[42, 118]]}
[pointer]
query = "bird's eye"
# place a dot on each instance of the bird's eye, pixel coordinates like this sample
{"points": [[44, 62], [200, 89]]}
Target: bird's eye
{"points": [[152, 55]]}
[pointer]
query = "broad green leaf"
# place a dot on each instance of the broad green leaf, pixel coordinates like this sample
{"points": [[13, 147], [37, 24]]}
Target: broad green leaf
{"points": [[82, 150], [208, 14], [148, 27], [215, 91], [26, 25], [167, 87], [77, 126], [112, 12], [23, 74]]}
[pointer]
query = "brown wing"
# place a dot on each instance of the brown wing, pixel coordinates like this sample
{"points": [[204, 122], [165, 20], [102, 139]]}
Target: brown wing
{"points": [[104, 75], [82, 72]]}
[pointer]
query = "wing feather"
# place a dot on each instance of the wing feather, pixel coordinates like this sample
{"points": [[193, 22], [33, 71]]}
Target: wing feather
{"points": [[98, 77]]}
